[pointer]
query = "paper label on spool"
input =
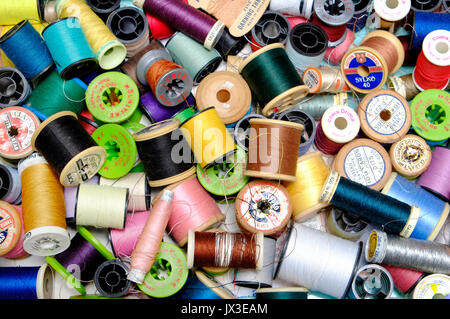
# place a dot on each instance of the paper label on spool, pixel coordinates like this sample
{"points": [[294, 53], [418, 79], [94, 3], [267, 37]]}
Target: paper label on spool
{"points": [[213, 35], [389, 104], [364, 165], [410, 155], [411, 222], [432, 285], [341, 99], [358, 59], [8, 230], [82, 170], [312, 78], [329, 187]]}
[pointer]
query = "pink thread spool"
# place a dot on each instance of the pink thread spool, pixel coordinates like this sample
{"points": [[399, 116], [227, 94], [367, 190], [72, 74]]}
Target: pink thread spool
{"points": [[334, 55], [436, 177], [123, 241], [293, 20], [192, 208], [18, 251]]}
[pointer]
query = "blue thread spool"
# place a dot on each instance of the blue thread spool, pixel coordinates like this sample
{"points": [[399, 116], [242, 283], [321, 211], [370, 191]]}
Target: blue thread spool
{"points": [[200, 286], [25, 47], [69, 48], [360, 16], [424, 23], [433, 211]]}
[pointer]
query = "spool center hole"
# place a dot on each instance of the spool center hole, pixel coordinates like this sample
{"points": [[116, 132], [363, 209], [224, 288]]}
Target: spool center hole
{"points": [[435, 114], [263, 206], [392, 4], [308, 39], [112, 278], [363, 70], [47, 244], [340, 123], [112, 149], [271, 29], [13, 131], [112, 97], [223, 96], [334, 8], [127, 25], [224, 170], [161, 269], [385, 115], [442, 47], [174, 87], [7, 87]]}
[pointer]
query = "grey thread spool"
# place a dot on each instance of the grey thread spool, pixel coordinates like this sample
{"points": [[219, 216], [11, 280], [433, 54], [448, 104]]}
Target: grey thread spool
{"points": [[273, 27], [14, 87], [372, 282], [422, 255], [110, 278]]}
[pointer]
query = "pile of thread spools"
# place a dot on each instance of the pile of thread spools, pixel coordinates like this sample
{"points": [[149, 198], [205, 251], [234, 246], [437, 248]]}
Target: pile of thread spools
{"points": [[224, 149]]}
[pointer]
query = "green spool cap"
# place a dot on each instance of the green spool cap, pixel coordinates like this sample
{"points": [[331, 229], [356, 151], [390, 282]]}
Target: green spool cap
{"points": [[430, 110], [120, 149], [70, 278], [185, 114], [226, 178], [168, 274], [95, 242], [112, 97]]}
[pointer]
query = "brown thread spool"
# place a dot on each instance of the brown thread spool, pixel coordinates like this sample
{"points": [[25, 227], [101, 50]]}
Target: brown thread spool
{"points": [[273, 149], [403, 85], [225, 249]]}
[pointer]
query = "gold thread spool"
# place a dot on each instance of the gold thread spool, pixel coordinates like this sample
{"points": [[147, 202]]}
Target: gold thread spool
{"points": [[312, 171], [324, 79]]}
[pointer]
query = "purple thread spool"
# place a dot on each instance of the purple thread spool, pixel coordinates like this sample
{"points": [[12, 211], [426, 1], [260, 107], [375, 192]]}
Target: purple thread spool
{"points": [[436, 178], [157, 112], [187, 19]]}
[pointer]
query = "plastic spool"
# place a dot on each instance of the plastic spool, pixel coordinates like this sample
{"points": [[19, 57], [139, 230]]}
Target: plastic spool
{"points": [[70, 199], [435, 286], [345, 225], [50, 14], [17, 126], [391, 11], [130, 26], [303, 8], [425, 5], [120, 150], [372, 282], [410, 156], [242, 130], [229, 45], [263, 206], [430, 111], [14, 88], [10, 185], [111, 279], [193, 56], [227, 92], [168, 274], [112, 97], [225, 179], [385, 116], [333, 15], [272, 27], [364, 161], [11, 227], [103, 8]]}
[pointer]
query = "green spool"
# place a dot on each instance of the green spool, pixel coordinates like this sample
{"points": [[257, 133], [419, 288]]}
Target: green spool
{"points": [[185, 114], [120, 149], [171, 261], [225, 179], [54, 94], [112, 97], [430, 110]]}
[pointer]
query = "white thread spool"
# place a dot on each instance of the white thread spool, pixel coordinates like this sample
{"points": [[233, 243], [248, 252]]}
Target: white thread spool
{"points": [[392, 10], [340, 124], [303, 8]]}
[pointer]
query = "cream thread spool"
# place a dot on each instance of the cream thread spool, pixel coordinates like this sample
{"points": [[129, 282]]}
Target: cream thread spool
{"points": [[324, 79], [391, 11]]}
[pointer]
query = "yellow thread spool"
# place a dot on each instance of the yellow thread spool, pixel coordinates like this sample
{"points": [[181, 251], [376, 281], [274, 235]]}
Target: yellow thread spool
{"points": [[109, 50], [208, 137], [312, 171], [12, 12]]}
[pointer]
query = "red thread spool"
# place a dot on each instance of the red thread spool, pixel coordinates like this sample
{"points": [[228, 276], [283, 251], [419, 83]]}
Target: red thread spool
{"points": [[334, 33], [404, 278], [158, 29]]}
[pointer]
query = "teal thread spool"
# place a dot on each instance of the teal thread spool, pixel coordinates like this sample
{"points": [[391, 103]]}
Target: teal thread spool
{"points": [[316, 105], [193, 56], [69, 48], [54, 94]]}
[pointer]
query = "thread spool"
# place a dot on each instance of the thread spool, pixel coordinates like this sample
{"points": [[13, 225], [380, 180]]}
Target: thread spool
{"points": [[153, 143], [187, 19], [78, 157], [410, 156], [103, 8], [228, 45], [17, 125], [333, 19], [385, 116], [367, 66], [334, 55], [130, 26], [403, 85], [435, 286], [158, 29], [25, 47], [192, 208], [27, 282], [54, 94], [338, 126], [309, 132], [317, 104], [215, 271], [272, 27], [168, 274], [427, 5], [224, 249], [137, 185], [404, 279], [364, 161], [432, 69], [306, 45], [14, 88], [110, 279], [208, 137], [422, 26], [195, 58], [391, 12], [227, 92], [302, 8], [377, 208], [433, 178], [76, 58], [433, 211], [263, 206], [410, 253], [70, 199], [43, 208], [50, 14], [319, 257], [123, 241], [225, 179], [263, 278], [429, 111], [242, 130], [311, 173], [372, 282], [345, 225], [157, 112], [324, 79], [18, 252], [273, 149], [19, 10], [201, 286], [410, 55], [273, 79], [11, 228], [358, 21]]}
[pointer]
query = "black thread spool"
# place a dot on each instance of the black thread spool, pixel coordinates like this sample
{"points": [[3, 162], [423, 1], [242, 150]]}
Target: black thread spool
{"points": [[273, 27], [103, 8], [229, 45], [14, 87], [242, 130], [155, 145], [425, 5], [68, 148], [110, 279]]}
